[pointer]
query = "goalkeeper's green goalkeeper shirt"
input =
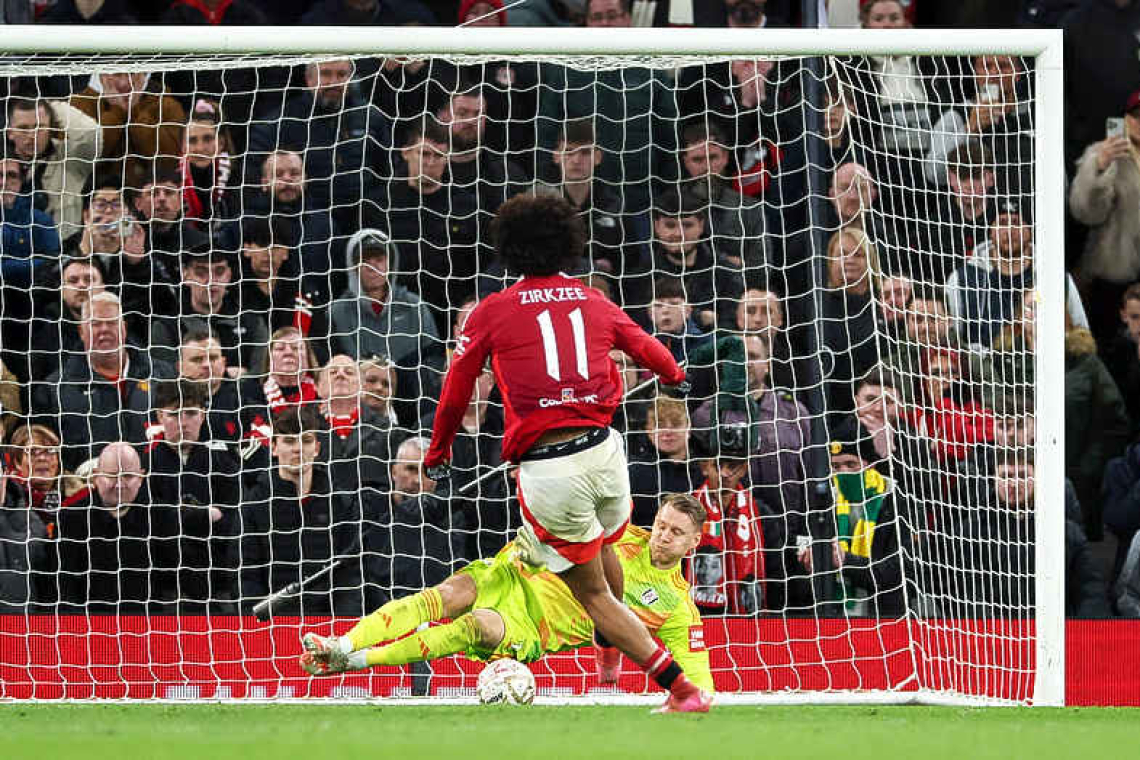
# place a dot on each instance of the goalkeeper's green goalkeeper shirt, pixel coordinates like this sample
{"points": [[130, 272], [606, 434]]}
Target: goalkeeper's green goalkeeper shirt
{"points": [[659, 598]]}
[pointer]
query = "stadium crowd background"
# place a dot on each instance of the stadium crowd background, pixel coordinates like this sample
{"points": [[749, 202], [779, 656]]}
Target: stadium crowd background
{"points": [[229, 297]]}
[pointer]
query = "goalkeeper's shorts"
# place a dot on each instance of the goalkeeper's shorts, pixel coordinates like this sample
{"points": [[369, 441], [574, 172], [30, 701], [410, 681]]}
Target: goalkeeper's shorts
{"points": [[500, 588], [572, 504]]}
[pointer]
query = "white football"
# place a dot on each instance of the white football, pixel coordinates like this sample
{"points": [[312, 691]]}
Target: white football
{"points": [[505, 682]]}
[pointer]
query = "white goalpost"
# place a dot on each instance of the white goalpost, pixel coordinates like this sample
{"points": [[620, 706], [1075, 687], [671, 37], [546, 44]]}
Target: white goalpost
{"points": [[854, 170]]}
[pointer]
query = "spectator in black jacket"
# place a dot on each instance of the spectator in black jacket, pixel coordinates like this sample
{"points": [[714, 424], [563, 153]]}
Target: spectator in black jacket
{"points": [[55, 324], [1120, 496], [344, 139], [489, 512], [118, 553], [28, 557], [284, 192], [735, 222], [1096, 424], [868, 549], [235, 412], [848, 316], [1122, 355], [296, 521], [101, 395], [712, 283], [210, 300], [426, 539], [617, 244], [362, 443], [671, 319], [158, 204], [434, 225], [665, 467], [91, 12], [272, 287], [183, 468], [473, 163]]}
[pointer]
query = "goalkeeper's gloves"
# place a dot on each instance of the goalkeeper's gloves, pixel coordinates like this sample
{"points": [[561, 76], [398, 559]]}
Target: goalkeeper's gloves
{"points": [[439, 472], [332, 654]]}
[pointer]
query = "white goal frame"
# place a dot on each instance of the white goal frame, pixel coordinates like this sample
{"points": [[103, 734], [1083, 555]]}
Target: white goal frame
{"points": [[1044, 46]]}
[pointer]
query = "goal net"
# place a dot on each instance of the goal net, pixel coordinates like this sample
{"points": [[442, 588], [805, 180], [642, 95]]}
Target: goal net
{"points": [[232, 282]]}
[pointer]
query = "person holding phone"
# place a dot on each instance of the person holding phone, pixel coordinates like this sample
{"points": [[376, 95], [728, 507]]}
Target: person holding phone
{"points": [[1105, 195], [998, 114]]}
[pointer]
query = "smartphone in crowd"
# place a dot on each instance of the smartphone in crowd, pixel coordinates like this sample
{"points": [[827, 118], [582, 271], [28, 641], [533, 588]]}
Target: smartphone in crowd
{"points": [[1114, 127]]}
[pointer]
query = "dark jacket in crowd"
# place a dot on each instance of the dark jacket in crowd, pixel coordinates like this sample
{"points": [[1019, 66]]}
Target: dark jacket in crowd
{"points": [[712, 283], [1100, 68], [441, 246], [881, 574], [28, 555], [54, 334], [346, 150], [208, 477], [148, 292], [65, 12], [1122, 359], [293, 302], [487, 508], [364, 454], [126, 563], [313, 227], [1120, 498], [285, 538], [634, 118], [422, 540], [1096, 424], [242, 334], [849, 346], [90, 411], [650, 476]]}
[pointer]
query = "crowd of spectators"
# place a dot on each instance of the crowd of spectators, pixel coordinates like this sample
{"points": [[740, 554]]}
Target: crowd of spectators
{"points": [[229, 296]]}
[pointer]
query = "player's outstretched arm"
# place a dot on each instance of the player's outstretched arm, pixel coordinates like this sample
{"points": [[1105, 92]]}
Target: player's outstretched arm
{"points": [[644, 348]]}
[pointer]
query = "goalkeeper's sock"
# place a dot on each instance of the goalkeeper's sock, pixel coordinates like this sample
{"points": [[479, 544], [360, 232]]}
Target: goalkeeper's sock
{"points": [[662, 669], [460, 635], [396, 618]]}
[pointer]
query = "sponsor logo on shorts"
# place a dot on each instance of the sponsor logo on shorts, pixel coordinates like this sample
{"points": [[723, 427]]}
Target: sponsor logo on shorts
{"points": [[696, 638], [649, 596]]}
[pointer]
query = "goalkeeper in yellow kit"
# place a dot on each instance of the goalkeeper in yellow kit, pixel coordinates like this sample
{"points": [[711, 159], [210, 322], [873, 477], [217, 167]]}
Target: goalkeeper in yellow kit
{"points": [[502, 607]]}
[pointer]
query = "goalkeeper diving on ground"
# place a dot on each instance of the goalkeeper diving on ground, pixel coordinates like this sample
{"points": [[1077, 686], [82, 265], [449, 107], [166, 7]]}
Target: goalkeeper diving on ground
{"points": [[503, 607]]}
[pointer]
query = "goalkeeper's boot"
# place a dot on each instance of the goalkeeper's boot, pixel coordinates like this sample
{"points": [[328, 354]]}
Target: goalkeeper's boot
{"points": [[324, 654], [608, 661], [684, 696]]}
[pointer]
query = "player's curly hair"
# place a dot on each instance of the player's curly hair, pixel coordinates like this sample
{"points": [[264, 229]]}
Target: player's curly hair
{"points": [[538, 236]]}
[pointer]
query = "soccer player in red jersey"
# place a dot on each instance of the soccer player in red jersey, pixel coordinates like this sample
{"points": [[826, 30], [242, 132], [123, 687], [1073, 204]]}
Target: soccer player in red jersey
{"points": [[548, 338]]}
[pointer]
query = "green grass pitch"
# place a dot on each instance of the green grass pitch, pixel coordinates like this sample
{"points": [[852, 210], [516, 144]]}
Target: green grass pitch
{"points": [[315, 732]]}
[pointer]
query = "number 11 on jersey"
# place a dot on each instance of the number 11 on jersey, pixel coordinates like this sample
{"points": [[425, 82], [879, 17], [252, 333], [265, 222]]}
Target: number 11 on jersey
{"points": [[550, 343]]}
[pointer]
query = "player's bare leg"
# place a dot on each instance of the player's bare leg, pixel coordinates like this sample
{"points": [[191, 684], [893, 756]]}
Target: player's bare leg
{"points": [[450, 599], [622, 628], [606, 656]]}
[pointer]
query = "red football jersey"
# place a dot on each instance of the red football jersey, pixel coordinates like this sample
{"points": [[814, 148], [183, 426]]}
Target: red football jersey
{"points": [[549, 340]]}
